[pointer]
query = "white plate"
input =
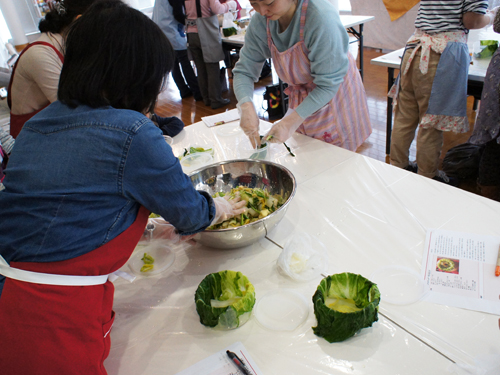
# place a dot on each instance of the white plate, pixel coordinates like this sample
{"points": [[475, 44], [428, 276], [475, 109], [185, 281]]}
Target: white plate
{"points": [[164, 257], [399, 285], [197, 160], [281, 310]]}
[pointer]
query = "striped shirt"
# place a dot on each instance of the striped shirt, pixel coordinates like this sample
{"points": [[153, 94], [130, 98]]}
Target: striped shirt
{"points": [[6, 141], [446, 15]]}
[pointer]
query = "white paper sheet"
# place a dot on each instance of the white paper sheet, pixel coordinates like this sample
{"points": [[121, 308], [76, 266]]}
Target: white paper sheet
{"points": [[220, 364], [221, 118], [459, 269]]}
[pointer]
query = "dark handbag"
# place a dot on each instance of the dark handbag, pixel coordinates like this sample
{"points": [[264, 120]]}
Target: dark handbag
{"points": [[462, 161], [273, 98]]}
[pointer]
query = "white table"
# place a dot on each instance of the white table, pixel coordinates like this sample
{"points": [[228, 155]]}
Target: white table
{"points": [[368, 214], [477, 72]]}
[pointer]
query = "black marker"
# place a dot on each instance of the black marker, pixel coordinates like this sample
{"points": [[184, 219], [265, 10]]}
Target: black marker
{"points": [[238, 362]]}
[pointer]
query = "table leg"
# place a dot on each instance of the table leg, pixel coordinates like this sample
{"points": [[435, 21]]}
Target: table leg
{"points": [[359, 37], [361, 49], [390, 82]]}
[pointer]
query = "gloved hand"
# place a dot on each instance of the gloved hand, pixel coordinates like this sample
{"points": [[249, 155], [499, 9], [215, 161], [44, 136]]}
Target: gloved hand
{"points": [[232, 5], [249, 122], [158, 228], [227, 208], [284, 129]]}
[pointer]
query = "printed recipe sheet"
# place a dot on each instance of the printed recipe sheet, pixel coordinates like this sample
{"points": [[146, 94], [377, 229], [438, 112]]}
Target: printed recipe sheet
{"points": [[459, 270]]}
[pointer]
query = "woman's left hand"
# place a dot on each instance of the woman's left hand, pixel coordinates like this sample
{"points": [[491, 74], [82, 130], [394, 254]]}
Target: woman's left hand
{"points": [[284, 129], [164, 230]]}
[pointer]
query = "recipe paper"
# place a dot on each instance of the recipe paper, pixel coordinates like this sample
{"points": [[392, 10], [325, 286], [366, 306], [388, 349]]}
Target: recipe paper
{"points": [[220, 364], [221, 118], [459, 270]]}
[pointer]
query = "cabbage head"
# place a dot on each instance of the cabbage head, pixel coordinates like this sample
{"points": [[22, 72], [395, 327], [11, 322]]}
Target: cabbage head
{"points": [[344, 303], [224, 299]]}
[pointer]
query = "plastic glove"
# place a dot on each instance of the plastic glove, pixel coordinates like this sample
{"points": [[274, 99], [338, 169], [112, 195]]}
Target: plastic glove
{"points": [[227, 208], [159, 228], [284, 129], [249, 122], [232, 5]]}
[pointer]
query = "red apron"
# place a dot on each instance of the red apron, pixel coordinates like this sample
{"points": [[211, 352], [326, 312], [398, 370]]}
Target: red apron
{"points": [[55, 329], [17, 121]]}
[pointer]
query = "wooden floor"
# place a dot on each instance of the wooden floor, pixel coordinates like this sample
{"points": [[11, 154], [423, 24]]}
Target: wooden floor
{"points": [[375, 81]]}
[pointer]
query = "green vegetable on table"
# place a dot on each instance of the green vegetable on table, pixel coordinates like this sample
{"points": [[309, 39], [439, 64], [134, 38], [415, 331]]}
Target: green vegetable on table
{"points": [[224, 299], [148, 263], [489, 49], [229, 31], [194, 150], [344, 303]]}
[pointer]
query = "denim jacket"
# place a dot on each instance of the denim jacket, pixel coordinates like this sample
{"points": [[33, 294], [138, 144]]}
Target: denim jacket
{"points": [[77, 178]]}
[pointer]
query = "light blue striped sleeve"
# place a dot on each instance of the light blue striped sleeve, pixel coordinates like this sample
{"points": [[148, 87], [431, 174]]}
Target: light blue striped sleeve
{"points": [[252, 57]]}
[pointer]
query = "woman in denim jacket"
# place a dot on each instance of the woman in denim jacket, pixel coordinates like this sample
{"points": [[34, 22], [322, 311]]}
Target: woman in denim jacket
{"points": [[82, 179]]}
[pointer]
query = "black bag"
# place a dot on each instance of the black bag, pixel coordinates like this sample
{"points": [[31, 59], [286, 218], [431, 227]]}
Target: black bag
{"points": [[266, 70], [272, 96], [462, 161]]}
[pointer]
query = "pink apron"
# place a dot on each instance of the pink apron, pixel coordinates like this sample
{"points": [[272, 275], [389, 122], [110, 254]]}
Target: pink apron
{"points": [[344, 121]]}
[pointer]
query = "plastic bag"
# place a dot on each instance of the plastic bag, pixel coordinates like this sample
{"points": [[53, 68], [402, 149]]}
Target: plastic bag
{"points": [[303, 258], [462, 161], [228, 26]]}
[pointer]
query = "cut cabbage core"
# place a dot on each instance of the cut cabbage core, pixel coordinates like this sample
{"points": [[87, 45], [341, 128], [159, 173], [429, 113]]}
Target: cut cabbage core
{"points": [[343, 305], [219, 304]]}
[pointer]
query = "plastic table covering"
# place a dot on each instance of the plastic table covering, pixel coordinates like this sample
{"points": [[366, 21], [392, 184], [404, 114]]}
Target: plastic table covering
{"points": [[369, 215]]}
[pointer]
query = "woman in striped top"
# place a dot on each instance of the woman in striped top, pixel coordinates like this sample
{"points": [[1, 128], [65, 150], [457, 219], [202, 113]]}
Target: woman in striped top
{"points": [[432, 88]]}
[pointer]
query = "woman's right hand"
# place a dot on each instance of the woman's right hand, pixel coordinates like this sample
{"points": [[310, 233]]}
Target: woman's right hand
{"points": [[227, 208], [249, 122]]}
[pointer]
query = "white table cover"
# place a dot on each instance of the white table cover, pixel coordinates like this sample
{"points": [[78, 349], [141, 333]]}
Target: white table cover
{"points": [[369, 215]]}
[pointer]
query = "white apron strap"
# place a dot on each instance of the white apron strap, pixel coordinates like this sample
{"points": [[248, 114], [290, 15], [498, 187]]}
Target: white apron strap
{"points": [[47, 278]]}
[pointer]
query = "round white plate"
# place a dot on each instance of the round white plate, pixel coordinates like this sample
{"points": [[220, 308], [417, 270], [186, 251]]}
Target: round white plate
{"points": [[281, 310], [399, 285], [164, 258]]}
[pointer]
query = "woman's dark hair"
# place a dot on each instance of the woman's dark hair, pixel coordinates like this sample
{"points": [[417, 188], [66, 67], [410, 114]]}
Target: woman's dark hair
{"points": [[62, 14], [117, 56]]}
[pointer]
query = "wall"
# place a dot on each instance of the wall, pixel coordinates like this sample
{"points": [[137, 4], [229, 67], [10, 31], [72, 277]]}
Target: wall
{"points": [[381, 32]]}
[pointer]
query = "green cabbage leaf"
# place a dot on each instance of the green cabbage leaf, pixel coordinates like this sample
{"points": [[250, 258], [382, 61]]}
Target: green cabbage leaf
{"points": [[344, 303], [222, 298]]}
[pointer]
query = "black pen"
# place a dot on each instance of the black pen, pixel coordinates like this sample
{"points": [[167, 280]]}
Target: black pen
{"points": [[238, 362]]}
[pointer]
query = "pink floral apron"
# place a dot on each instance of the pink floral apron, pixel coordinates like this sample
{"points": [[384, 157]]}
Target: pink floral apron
{"points": [[344, 121]]}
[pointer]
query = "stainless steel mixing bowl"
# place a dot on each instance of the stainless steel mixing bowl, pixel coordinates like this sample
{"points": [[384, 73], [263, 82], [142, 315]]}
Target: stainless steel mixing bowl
{"points": [[224, 176]]}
